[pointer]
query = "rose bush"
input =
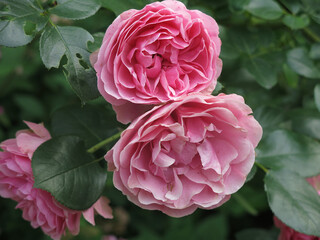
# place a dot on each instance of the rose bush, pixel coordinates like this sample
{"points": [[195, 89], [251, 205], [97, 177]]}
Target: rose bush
{"points": [[157, 54], [37, 205], [186, 154]]}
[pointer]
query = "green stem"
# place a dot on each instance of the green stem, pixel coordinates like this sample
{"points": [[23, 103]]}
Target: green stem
{"points": [[104, 142], [312, 34], [261, 167], [245, 204], [307, 30], [40, 5]]}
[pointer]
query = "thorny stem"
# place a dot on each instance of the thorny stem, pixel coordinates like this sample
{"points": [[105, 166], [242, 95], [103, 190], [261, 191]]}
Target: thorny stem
{"points": [[104, 142]]}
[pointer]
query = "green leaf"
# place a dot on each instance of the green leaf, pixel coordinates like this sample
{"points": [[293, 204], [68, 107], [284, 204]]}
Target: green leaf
{"points": [[17, 15], [263, 71], [315, 51], [119, 6], [217, 89], [306, 122], [237, 5], [76, 9], [291, 76], [296, 22], [257, 234], [98, 37], [294, 201], [293, 5], [317, 96], [312, 8], [214, 228], [13, 57], [265, 9], [72, 42], [76, 120], [30, 106], [283, 149], [62, 167], [12, 34], [300, 62], [186, 229], [240, 41]]}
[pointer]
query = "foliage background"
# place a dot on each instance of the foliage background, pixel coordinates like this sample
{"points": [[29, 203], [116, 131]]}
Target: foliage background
{"points": [[271, 56]]}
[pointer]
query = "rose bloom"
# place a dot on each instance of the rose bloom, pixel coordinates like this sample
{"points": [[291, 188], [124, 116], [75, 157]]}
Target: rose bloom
{"points": [[186, 154], [157, 54], [287, 233], [37, 205]]}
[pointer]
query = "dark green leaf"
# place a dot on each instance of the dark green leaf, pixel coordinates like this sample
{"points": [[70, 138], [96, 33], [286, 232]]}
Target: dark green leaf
{"points": [[72, 42], [315, 51], [237, 5], [269, 117], [263, 71], [19, 13], [119, 6], [76, 9], [300, 62], [291, 76], [317, 96], [213, 228], [265, 9], [257, 234], [217, 89], [240, 41], [186, 229], [283, 149], [79, 121], [296, 22], [30, 106], [13, 57], [306, 122], [312, 7], [293, 5], [294, 201], [62, 167], [98, 37]]}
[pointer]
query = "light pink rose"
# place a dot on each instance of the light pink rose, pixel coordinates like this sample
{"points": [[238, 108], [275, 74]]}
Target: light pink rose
{"points": [[287, 233], [157, 54], [38, 206], [186, 154]]}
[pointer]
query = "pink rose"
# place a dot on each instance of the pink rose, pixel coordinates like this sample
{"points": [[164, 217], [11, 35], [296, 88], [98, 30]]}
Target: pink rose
{"points": [[287, 233], [38, 206], [186, 154], [155, 55]]}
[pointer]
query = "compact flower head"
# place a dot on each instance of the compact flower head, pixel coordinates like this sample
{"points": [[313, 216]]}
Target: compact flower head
{"points": [[155, 55], [194, 152]]}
